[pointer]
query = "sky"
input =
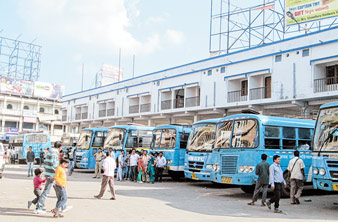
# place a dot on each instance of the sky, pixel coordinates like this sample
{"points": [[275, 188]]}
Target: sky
{"points": [[160, 33]]}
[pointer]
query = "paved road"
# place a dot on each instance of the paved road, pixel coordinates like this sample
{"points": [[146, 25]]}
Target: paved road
{"points": [[168, 201]]}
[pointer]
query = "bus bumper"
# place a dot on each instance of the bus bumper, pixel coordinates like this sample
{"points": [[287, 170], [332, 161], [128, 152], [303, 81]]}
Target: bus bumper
{"points": [[323, 184], [82, 165], [175, 168], [204, 176], [236, 179]]}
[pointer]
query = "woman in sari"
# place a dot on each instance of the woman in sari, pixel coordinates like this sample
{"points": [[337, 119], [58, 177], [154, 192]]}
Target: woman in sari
{"points": [[151, 168]]}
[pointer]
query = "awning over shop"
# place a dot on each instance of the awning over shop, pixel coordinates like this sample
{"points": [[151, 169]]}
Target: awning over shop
{"points": [[28, 119]]}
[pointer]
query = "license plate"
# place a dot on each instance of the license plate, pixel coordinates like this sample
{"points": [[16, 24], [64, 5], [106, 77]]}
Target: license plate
{"points": [[194, 177], [335, 186], [227, 180]]}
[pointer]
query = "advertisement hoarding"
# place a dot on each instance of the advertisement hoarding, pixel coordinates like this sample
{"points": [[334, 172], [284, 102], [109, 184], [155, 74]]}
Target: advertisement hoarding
{"points": [[48, 90], [16, 86], [299, 11]]}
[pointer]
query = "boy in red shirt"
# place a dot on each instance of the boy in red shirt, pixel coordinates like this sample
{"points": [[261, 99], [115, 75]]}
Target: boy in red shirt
{"points": [[38, 181]]}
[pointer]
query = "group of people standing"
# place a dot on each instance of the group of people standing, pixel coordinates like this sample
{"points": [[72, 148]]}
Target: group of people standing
{"points": [[138, 166], [272, 175]]}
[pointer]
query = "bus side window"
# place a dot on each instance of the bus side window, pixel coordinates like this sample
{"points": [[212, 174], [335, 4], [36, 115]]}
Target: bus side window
{"points": [[272, 137], [304, 139], [289, 138], [184, 140]]}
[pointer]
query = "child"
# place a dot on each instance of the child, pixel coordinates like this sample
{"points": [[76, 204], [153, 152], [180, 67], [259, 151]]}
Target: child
{"points": [[38, 181], [60, 187]]}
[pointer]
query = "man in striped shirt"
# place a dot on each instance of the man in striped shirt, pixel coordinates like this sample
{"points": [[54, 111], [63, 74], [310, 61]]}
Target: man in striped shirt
{"points": [[50, 164]]}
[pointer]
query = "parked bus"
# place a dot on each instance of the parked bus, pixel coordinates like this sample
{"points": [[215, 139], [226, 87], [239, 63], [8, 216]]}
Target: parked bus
{"points": [[68, 141], [172, 141], [201, 141], [90, 140], [21, 143], [325, 149], [242, 139], [128, 137]]}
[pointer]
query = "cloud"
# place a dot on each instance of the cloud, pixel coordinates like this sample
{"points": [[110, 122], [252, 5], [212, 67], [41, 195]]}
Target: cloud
{"points": [[175, 37], [102, 25], [155, 20]]}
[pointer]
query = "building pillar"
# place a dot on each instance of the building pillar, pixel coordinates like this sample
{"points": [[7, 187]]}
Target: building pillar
{"points": [[172, 120], [20, 123], [3, 125], [197, 118], [150, 122], [52, 128]]}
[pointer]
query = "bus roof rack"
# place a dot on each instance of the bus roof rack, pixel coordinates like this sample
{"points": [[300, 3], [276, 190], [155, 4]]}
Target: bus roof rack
{"points": [[134, 124]]}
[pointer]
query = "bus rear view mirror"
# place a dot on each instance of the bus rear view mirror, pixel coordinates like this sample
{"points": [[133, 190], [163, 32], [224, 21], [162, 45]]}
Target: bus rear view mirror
{"points": [[120, 136]]}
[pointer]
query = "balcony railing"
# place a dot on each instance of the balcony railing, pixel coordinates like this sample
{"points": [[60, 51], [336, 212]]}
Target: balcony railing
{"points": [[166, 104], [102, 113], [326, 84], [236, 96], [179, 103], [84, 115], [260, 93], [145, 107], [110, 112], [78, 116], [64, 118], [192, 101], [134, 109]]}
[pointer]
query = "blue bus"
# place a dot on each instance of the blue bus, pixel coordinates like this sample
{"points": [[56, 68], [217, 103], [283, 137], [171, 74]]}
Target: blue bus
{"points": [[90, 140], [172, 141], [201, 141], [241, 140], [325, 149], [22, 142], [128, 137], [69, 141]]}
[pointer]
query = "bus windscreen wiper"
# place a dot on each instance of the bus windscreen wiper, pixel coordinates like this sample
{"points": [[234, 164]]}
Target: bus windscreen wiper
{"points": [[327, 139]]}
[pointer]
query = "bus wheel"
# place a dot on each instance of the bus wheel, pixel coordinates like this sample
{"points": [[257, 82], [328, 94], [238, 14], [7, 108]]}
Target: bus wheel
{"points": [[286, 190], [176, 175], [248, 189]]}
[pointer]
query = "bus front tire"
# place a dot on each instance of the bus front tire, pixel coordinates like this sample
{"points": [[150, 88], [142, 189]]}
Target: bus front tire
{"points": [[176, 175], [248, 189]]}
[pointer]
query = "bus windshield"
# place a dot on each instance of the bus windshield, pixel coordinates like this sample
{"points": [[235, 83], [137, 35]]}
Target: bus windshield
{"points": [[139, 139], [164, 138], [37, 138], [202, 138], [115, 139], [245, 134], [84, 140], [99, 138], [326, 133]]}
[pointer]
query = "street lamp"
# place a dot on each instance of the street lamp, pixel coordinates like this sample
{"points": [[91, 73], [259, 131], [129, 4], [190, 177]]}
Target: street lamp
{"points": [[291, 16]]}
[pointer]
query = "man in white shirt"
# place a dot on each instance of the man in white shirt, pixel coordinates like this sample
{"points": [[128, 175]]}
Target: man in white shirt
{"points": [[297, 177], [109, 166], [133, 165], [160, 164]]}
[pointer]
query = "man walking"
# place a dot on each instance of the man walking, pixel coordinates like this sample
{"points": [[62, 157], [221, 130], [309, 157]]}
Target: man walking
{"points": [[297, 177], [70, 157], [160, 164], [30, 161], [51, 163], [120, 164], [98, 165], [145, 158], [108, 176], [276, 181], [262, 170], [133, 165]]}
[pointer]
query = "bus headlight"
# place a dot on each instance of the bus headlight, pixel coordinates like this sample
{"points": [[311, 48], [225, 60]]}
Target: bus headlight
{"points": [[322, 172], [185, 164], [315, 171], [215, 167], [169, 161], [209, 167], [245, 169], [85, 159]]}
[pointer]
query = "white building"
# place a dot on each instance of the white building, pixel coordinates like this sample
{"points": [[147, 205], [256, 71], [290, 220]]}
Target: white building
{"points": [[291, 78]]}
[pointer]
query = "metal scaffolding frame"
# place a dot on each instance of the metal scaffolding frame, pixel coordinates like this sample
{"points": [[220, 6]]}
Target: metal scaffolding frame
{"points": [[233, 28], [19, 59]]}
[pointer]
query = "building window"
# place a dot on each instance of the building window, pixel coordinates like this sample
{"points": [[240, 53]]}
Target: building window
{"points": [[27, 125], [26, 107], [10, 124], [223, 70], [42, 110], [306, 52], [126, 90], [209, 72], [56, 112], [9, 106], [278, 58], [244, 88], [332, 75]]}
